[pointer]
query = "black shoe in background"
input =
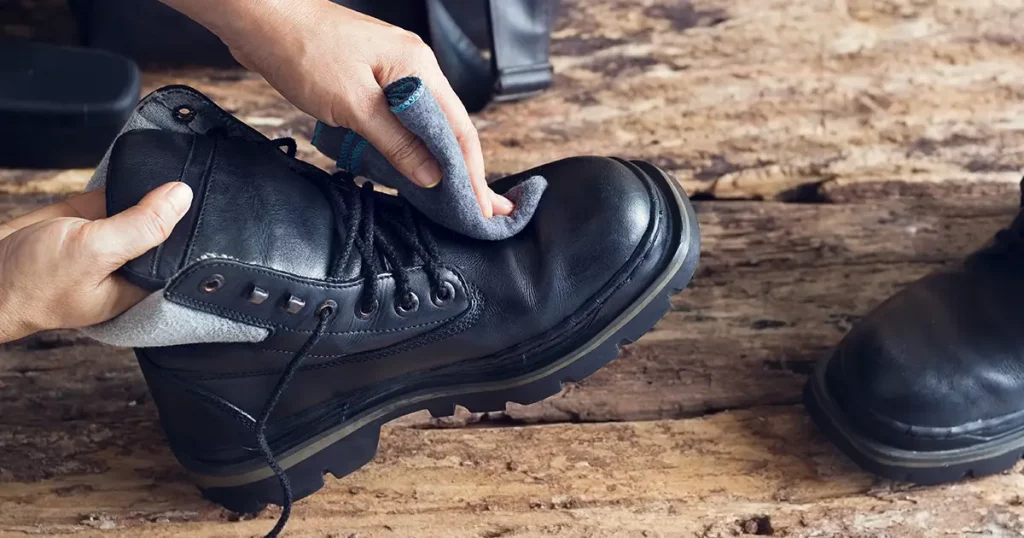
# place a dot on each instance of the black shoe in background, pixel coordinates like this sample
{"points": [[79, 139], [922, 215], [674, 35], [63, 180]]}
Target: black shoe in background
{"points": [[929, 387]]}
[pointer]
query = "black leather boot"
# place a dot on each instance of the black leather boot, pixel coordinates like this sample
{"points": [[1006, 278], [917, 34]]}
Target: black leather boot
{"points": [[372, 311], [929, 387]]}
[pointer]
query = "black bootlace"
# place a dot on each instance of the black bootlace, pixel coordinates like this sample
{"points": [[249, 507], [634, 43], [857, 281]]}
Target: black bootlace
{"points": [[355, 211]]}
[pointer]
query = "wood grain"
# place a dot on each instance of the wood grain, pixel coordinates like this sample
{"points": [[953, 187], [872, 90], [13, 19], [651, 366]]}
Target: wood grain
{"points": [[763, 471], [750, 99]]}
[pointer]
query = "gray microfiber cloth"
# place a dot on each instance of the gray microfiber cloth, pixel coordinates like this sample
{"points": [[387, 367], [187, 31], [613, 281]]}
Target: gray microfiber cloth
{"points": [[157, 322], [452, 203]]}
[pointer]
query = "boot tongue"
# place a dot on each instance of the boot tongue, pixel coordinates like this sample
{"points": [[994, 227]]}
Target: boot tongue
{"points": [[252, 203]]}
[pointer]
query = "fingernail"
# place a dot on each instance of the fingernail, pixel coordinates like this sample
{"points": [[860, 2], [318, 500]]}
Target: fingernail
{"points": [[180, 198], [428, 174], [502, 205]]}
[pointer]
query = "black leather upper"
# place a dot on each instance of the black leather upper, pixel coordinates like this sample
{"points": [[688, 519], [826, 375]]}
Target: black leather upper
{"points": [[594, 244], [941, 363], [265, 213]]}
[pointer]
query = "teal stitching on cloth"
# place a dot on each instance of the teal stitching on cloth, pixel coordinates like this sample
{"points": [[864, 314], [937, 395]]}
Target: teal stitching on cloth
{"points": [[316, 132], [410, 100], [346, 146], [357, 152]]}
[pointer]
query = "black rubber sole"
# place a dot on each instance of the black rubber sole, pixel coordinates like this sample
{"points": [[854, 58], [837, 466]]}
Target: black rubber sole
{"points": [[915, 466], [344, 452]]}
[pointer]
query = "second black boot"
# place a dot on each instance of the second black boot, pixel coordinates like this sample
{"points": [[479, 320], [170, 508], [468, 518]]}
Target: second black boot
{"points": [[929, 387]]}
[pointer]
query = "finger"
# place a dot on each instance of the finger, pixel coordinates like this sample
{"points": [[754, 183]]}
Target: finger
{"points": [[491, 203], [502, 206], [131, 233], [371, 117], [90, 205]]}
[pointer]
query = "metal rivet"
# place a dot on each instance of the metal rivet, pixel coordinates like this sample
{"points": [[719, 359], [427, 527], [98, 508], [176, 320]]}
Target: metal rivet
{"points": [[211, 283], [184, 113], [258, 295], [294, 304]]}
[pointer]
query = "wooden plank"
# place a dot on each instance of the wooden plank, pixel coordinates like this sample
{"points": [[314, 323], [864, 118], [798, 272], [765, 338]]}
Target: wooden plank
{"points": [[776, 99], [763, 471], [779, 284]]}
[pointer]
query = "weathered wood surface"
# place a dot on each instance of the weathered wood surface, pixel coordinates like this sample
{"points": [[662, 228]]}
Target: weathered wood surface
{"points": [[784, 99], [763, 471]]}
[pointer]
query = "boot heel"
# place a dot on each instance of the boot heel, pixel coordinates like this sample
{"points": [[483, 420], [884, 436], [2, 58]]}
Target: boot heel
{"points": [[305, 477]]}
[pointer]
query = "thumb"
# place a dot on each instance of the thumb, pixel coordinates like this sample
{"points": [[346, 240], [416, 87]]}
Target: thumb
{"points": [[131, 233]]}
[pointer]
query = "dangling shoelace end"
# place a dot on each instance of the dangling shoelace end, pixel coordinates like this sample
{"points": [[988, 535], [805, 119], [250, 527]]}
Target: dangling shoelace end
{"points": [[326, 313]]}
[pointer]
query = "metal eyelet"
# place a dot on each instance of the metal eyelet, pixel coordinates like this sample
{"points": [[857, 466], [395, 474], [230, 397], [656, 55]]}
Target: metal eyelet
{"points": [[184, 114], [445, 295], [211, 283], [362, 313], [328, 306], [408, 304]]}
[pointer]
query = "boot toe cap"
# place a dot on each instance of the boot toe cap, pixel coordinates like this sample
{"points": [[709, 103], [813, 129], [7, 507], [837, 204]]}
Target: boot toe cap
{"points": [[592, 219], [932, 358]]}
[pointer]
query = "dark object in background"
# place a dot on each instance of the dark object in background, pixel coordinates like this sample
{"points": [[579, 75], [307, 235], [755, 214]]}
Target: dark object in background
{"points": [[61, 107], [149, 32], [515, 32]]}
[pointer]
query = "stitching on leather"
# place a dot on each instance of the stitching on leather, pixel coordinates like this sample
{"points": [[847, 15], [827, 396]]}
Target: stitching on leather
{"points": [[207, 181], [984, 426], [371, 331], [171, 293], [468, 318], [204, 182], [221, 117], [154, 267], [284, 276]]}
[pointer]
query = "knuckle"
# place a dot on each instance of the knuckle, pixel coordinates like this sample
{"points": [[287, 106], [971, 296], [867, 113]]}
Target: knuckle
{"points": [[405, 151], [413, 39], [467, 131], [155, 225], [356, 110], [425, 56]]}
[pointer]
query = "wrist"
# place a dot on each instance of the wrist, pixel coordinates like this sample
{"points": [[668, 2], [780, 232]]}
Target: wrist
{"points": [[241, 22], [14, 324]]}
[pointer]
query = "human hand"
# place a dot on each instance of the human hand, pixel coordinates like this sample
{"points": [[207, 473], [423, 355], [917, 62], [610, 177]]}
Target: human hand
{"points": [[332, 62], [57, 263]]}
